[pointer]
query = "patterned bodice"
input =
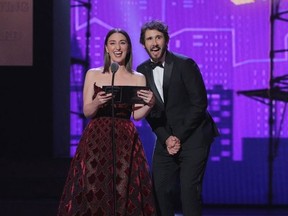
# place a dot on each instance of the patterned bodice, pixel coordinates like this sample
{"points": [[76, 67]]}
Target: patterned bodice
{"points": [[120, 110]]}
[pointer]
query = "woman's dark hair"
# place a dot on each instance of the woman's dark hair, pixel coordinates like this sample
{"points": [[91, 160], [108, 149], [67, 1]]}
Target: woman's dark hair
{"points": [[129, 57], [154, 25]]}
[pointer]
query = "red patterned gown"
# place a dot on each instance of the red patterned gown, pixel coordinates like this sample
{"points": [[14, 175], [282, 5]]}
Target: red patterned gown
{"points": [[88, 190]]}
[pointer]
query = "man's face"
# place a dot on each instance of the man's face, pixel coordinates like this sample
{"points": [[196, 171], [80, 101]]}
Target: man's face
{"points": [[155, 44]]}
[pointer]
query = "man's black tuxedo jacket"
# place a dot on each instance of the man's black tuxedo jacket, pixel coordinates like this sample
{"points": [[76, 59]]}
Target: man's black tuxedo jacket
{"points": [[184, 111]]}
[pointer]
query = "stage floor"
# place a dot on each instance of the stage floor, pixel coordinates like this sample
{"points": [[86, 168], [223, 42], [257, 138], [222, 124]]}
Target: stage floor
{"points": [[48, 207]]}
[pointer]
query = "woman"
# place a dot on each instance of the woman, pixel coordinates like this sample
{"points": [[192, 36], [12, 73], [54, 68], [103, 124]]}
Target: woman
{"points": [[89, 186]]}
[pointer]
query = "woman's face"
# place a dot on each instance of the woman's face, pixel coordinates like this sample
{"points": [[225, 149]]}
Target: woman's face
{"points": [[117, 47]]}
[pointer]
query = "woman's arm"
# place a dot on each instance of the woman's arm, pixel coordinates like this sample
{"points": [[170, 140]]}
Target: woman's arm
{"points": [[90, 105], [141, 110]]}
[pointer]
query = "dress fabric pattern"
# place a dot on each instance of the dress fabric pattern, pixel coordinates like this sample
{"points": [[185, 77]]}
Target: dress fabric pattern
{"points": [[88, 190]]}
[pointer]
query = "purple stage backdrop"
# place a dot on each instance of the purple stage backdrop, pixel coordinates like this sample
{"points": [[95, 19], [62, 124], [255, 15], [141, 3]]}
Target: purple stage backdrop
{"points": [[231, 43]]}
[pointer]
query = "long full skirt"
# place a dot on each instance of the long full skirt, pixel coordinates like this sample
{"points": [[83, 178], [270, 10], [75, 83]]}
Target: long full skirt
{"points": [[88, 190]]}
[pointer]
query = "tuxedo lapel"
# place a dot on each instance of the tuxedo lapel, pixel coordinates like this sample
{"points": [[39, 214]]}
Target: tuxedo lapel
{"points": [[167, 74]]}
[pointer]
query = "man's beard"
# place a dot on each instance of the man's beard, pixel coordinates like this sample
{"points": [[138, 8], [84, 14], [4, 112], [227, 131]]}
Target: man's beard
{"points": [[163, 51]]}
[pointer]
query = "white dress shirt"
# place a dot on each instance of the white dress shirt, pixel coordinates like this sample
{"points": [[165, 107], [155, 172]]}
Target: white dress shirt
{"points": [[158, 74]]}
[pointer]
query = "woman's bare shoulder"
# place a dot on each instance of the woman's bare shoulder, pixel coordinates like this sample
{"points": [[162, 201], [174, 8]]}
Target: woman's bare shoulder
{"points": [[136, 73], [95, 71], [139, 77]]}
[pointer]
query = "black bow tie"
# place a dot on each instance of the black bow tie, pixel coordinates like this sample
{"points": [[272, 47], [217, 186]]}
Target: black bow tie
{"points": [[155, 64]]}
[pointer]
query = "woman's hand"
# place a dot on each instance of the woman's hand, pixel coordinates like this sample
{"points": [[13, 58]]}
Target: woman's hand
{"points": [[102, 98], [147, 96]]}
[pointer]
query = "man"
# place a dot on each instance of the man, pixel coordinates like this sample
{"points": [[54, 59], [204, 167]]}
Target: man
{"points": [[183, 127]]}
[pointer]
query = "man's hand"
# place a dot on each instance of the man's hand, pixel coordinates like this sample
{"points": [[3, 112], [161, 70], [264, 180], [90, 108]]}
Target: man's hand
{"points": [[173, 145]]}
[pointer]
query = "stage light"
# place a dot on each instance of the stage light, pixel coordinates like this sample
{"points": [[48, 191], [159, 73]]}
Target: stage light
{"points": [[240, 2]]}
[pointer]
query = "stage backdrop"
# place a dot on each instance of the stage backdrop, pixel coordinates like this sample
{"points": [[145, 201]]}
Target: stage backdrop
{"points": [[231, 44]]}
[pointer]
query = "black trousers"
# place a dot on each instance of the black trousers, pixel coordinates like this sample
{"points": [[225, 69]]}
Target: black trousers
{"points": [[187, 168]]}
